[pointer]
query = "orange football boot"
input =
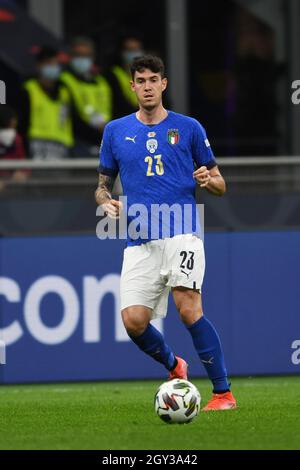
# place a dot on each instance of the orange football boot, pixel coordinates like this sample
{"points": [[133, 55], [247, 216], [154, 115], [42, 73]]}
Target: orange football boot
{"points": [[180, 371], [220, 402]]}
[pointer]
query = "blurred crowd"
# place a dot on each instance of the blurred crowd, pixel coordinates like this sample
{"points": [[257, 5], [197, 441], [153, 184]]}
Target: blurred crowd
{"points": [[61, 111]]}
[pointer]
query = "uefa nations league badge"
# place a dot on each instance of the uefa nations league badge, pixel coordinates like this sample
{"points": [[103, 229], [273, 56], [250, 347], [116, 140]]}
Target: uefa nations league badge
{"points": [[152, 145], [173, 136]]}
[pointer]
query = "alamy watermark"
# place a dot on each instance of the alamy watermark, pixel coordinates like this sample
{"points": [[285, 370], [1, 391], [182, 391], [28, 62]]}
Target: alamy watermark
{"points": [[2, 92], [296, 354], [296, 93], [2, 353], [157, 221]]}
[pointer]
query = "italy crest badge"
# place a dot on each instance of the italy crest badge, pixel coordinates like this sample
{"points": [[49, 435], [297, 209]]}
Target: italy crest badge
{"points": [[173, 136]]}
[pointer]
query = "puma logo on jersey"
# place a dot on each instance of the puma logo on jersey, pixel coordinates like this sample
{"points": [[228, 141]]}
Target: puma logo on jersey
{"points": [[131, 139]]}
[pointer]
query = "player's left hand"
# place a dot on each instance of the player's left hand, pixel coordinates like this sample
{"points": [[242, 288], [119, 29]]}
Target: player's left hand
{"points": [[202, 176]]}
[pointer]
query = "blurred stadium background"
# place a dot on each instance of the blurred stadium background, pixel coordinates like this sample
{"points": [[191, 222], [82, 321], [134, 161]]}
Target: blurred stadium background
{"points": [[231, 64]]}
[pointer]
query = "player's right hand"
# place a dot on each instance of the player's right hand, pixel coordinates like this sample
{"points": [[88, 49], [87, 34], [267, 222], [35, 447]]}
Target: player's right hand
{"points": [[113, 208]]}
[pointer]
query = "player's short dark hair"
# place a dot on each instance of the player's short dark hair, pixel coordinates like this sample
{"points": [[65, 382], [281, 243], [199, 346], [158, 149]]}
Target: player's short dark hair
{"points": [[6, 115], [151, 62]]}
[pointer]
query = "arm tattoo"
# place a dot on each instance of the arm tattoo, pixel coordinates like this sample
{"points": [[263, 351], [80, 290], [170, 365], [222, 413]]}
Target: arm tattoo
{"points": [[105, 186]]}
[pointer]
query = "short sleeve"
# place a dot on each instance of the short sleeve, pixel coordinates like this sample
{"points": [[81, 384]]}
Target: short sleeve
{"points": [[202, 152], [107, 162]]}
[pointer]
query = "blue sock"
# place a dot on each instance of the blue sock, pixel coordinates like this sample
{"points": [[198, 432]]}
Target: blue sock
{"points": [[208, 346], [152, 343]]}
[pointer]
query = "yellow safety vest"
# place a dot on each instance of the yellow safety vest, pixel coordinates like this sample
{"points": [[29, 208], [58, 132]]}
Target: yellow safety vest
{"points": [[124, 79], [49, 119], [90, 98]]}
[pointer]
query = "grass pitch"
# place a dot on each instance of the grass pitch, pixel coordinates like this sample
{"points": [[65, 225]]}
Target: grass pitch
{"points": [[120, 415]]}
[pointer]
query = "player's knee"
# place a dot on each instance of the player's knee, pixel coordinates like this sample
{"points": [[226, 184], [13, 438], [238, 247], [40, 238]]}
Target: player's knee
{"points": [[189, 315], [135, 324]]}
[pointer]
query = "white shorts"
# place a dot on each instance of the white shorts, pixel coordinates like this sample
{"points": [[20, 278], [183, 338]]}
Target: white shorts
{"points": [[150, 270]]}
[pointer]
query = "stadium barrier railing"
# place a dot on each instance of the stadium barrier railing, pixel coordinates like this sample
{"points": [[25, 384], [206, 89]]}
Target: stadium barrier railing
{"points": [[92, 163]]}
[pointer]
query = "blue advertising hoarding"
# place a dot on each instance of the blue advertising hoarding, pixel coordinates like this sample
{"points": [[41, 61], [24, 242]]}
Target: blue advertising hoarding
{"points": [[60, 312]]}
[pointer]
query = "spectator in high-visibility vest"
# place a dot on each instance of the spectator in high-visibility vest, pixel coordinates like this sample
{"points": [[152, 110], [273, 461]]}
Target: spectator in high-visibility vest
{"points": [[91, 97], [45, 110], [119, 76]]}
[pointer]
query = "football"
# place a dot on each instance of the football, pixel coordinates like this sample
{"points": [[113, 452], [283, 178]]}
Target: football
{"points": [[177, 401]]}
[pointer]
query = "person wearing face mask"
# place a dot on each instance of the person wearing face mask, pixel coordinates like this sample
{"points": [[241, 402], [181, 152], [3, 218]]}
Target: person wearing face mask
{"points": [[45, 110], [11, 145], [91, 97], [124, 100]]}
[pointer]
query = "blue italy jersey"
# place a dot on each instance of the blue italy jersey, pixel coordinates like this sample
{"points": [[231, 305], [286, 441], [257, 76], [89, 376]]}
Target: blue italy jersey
{"points": [[156, 165]]}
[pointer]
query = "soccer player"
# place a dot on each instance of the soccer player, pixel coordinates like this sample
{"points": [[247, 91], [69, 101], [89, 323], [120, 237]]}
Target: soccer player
{"points": [[156, 152]]}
